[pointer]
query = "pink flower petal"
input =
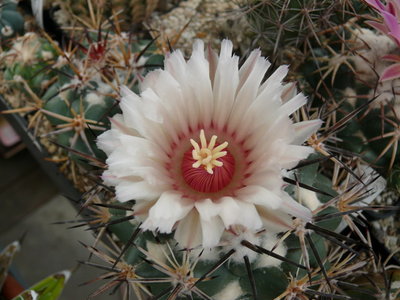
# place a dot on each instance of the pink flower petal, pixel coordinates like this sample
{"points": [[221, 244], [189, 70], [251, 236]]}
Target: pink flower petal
{"points": [[391, 8], [376, 4], [391, 72], [378, 26], [392, 23], [391, 57]]}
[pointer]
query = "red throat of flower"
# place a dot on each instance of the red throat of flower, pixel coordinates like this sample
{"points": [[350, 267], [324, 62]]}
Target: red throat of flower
{"points": [[206, 168]]}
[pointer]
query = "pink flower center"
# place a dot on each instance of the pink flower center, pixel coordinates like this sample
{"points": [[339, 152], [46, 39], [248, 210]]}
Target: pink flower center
{"points": [[208, 164], [201, 180]]}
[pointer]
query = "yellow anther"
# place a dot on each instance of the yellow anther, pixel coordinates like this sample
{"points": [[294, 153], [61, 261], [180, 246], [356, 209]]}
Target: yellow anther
{"points": [[207, 155]]}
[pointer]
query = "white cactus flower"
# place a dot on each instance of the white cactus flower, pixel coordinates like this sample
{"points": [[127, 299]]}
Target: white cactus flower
{"points": [[203, 146]]}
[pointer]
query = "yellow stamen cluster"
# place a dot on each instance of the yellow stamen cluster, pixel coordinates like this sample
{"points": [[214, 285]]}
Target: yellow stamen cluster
{"points": [[207, 155]]}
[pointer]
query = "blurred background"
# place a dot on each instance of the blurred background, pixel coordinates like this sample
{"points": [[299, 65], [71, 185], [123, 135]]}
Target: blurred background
{"points": [[29, 205]]}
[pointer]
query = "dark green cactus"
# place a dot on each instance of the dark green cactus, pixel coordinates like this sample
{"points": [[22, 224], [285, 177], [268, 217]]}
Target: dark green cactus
{"points": [[11, 21], [30, 59]]}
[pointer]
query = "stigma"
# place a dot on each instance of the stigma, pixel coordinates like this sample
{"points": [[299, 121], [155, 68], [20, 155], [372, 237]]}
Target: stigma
{"points": [[206, 155]]}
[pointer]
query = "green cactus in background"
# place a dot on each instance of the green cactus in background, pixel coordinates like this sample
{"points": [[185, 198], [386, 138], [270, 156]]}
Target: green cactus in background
{"points": [[334, 60], [77, 90], [11, 21], [302, 24], [79, 104], [29, 60], [70, 93]]}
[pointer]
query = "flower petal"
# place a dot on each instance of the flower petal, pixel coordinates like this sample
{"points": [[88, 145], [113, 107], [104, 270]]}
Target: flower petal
{"points": [[130, 105], [391, 72], [188, 231], [305, 129], [292, 154], [247, 92], [248, 216], [225, 84], [377, 4], [260, 196], [392, 23], [169, 209], [293, 104], [212, 230], [201, 87], [276, 77], [378, 26], [274, 220], [138, 190], [108, 141], [228, 211], [207, 209], [294, 208]]}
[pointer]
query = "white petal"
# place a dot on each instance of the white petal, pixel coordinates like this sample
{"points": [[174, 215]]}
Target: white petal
{"points": [[118, 123], [201, 110], [260, 196], [274, 220], [289, 91], [268, 178], [143, 116], [248, 66], [151, 107], [127, 93], [248, 216], [107, 141], [292, 154], [137, 146], [276, 77], [294, 208], [109, 178], [188, 231], [132, 109], [150, 79], [169, 209], [268, 141], [212, 230], [305, 129], [175, 64], [228, 210], [293, 104], [212, 58], [198, 47], [171, 102], [139, 190], [262, 112], [122, 163], [207, 209], [248, 91], [225, 84], [142, 208]]}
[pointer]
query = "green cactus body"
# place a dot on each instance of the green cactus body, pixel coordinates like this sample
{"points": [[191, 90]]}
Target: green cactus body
{"points": [[90, 99], [11, 21], [31, 58]]}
